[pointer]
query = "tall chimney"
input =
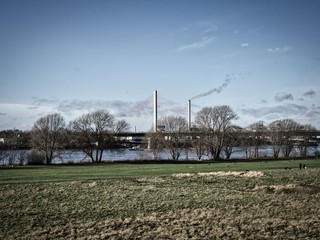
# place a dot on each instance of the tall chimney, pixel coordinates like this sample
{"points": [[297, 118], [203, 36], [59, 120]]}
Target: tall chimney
{"points": [[189, 115], [155, 111]]}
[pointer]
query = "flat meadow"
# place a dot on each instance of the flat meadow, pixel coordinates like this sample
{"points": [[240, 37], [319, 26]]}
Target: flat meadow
{"points": [[250, 200]]}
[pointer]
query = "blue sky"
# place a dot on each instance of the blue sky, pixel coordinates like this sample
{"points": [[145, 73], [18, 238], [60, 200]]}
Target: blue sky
{"points": [[74, 57]]}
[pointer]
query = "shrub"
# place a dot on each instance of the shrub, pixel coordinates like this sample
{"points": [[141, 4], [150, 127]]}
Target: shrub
{"points": [[36, 158]]}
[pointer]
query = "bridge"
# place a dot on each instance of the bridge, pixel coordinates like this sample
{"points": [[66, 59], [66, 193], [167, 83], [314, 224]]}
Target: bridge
{"points": [[137, 138]]}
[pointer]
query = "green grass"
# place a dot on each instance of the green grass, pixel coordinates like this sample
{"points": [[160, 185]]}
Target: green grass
{"points": [[102, 171], [145, 201]]}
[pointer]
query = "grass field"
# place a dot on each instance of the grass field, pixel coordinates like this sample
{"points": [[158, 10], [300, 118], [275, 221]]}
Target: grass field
{"points": [[273, 200]]}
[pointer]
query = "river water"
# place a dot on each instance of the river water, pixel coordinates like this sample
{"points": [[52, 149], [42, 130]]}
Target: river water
{"points": [[76, 156]]}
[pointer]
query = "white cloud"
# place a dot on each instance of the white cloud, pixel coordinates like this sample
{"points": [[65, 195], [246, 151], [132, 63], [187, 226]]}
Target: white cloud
{"points": [[21, 116], [210, 29], [280, 110], [313, 114], [118, 108], [245, 45], [284, 49], [44, 101], [200, 44]]}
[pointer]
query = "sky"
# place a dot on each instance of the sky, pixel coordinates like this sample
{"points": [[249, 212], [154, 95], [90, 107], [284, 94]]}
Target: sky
{"points": [[262, 58]]}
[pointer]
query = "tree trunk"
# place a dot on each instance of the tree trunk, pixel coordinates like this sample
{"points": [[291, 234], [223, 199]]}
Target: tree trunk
{"points": [[101, 153]]}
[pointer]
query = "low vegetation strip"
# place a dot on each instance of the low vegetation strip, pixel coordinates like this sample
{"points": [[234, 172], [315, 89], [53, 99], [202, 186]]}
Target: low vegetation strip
{"points": [[204, 206], [29, 174]]}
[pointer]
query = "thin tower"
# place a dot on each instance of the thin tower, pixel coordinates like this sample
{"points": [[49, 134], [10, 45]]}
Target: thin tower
{"points": [[155, 111], [189, 115]]}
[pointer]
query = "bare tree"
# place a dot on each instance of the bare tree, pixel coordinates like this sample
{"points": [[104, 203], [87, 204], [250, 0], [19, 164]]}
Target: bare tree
{"points": [[155, 143], [121, 126], [281, 134], [215, 123], [256, 131], [93, 132], [232, 140], [21, 156], [173, 139], [47, 135], [198, 145], [304, 139], [275, 138], [246, 143]]}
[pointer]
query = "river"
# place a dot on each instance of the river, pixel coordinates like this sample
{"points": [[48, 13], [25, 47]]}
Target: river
{"points": [[77, 156]]}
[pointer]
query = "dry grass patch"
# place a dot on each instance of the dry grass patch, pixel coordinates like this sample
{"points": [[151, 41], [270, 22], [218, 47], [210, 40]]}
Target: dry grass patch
{"points": [[288, 188], [220, 174], [222, 205], [187, 224]]}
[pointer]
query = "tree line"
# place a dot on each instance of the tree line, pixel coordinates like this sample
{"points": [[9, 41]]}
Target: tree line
{"points": [[213, 135], [50, 135]]}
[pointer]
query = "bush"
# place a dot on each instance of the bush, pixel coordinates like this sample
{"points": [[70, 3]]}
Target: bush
{"points": [[36, 158]]}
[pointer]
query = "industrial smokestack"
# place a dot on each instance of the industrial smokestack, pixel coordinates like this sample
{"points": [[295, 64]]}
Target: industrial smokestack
{"points": [[189, 115], [155, 111]]}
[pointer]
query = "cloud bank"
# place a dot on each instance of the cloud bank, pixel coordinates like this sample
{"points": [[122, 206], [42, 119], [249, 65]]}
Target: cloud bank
{"points": [[299, 113], [121, 109], [279, 111], [140, 113]]}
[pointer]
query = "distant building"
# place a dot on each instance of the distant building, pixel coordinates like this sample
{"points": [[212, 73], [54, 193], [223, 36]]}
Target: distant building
{"points": [[1, 140]]}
